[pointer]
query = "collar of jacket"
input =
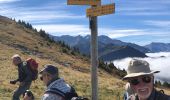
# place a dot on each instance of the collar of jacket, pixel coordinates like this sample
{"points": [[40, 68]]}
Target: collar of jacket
{"points": [[151, 97], [52, 81], [19, 64]]}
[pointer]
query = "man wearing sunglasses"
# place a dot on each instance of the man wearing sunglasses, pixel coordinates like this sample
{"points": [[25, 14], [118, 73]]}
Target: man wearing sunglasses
{"points": [[141, 80], [57, 88]]}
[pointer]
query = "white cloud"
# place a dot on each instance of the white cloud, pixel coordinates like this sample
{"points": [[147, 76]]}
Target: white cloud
{"points": [[50, 17], [156, 62], [166, 54], [36, 15], [63, 29], [159, 23], [145, 13], [143, 7], [124, 33], [7, 1], [117, 33]]}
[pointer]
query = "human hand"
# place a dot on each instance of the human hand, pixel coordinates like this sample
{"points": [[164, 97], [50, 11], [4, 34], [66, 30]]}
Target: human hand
{"points": [[13, 82]]}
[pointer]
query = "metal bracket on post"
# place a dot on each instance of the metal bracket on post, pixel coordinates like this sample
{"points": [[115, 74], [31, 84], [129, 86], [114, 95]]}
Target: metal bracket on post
{"points": [[90, 23]]}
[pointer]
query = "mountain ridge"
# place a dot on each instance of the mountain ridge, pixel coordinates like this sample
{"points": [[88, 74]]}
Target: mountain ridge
{"points": [[158, 47], [103, 41]]}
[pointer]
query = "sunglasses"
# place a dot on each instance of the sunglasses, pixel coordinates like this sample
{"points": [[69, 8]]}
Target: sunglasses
{"points": [[41, 77], [136, 81]]}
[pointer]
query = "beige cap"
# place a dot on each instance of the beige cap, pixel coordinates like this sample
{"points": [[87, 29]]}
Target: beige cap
{"points": [[138, 68]]}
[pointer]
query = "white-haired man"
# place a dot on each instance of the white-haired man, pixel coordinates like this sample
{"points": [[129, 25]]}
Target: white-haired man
{"points": [[24, 77]]}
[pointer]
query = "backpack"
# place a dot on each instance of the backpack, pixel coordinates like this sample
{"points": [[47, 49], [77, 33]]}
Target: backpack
{"points": [[66, 96], [33, 66]]}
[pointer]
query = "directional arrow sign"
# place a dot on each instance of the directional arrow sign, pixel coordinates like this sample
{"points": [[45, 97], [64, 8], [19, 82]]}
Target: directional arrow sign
{"points": [[83, 2], [100, 10]]}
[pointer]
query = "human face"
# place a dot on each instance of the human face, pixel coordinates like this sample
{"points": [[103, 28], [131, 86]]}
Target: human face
{"points": [[15, 61], [26, 97], [45, 77], [142, 85]]}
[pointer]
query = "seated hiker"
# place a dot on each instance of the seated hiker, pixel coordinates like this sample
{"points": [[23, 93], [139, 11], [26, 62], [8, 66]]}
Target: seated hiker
{"points": [[28, 95], [57, 88], [141, 80]]}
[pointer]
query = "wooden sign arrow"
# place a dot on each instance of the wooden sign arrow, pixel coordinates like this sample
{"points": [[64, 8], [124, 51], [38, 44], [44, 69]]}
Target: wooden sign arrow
{"points": [[100, 10]]}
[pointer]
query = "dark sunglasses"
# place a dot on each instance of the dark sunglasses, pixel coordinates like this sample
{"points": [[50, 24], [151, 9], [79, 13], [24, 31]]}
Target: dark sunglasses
{"points": [[41, 77], [145, 79]]}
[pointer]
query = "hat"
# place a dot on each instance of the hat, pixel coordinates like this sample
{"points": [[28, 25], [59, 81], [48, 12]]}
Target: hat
{"points": [[15, 56], [51, 69], [138, 68]]}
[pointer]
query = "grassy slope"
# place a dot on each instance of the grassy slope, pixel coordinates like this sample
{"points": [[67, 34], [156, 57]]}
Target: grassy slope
{"points": [[13, 38]]}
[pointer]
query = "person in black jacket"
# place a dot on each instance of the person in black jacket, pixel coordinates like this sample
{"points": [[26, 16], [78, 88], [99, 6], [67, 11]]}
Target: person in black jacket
{"points": [[24, 77], [141, 80]]}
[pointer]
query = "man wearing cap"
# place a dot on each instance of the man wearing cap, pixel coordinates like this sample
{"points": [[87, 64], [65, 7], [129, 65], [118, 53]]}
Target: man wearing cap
{"points": [[24, 77], [50, 77], [141, 80]]}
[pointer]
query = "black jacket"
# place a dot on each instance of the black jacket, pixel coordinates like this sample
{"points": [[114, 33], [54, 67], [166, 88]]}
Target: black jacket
{"points": [[24, 73], [157, 95]]}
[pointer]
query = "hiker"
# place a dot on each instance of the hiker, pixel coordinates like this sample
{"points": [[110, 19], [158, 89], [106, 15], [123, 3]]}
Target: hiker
{"points": [[24, 77], [129, 94], [57, 88], [141, 80], [28, 95]]}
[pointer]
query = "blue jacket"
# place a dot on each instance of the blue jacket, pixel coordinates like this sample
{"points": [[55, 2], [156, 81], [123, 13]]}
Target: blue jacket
{"points": [[58, 84]]}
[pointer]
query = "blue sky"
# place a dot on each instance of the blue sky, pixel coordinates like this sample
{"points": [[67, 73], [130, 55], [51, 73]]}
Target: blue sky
{"points": [[136, 21]]}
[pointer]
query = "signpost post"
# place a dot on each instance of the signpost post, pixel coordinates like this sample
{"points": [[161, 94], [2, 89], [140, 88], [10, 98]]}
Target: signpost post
{"points": [[94, 57], [95, 10]]}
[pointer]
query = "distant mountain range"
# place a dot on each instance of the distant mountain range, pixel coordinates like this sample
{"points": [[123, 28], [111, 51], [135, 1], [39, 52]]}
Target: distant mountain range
{"points": [[158, 47], [111, 49]]}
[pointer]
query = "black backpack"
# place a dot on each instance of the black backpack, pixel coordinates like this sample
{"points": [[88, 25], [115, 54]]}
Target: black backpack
{"points": [[67, 96]]}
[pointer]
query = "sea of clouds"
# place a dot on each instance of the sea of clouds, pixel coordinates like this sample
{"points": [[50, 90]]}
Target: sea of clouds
{"points": [[158, 61]]}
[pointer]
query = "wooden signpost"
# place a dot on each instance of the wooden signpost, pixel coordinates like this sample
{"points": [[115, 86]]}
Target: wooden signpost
{"points": [[100, 10], [96, 10]]}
